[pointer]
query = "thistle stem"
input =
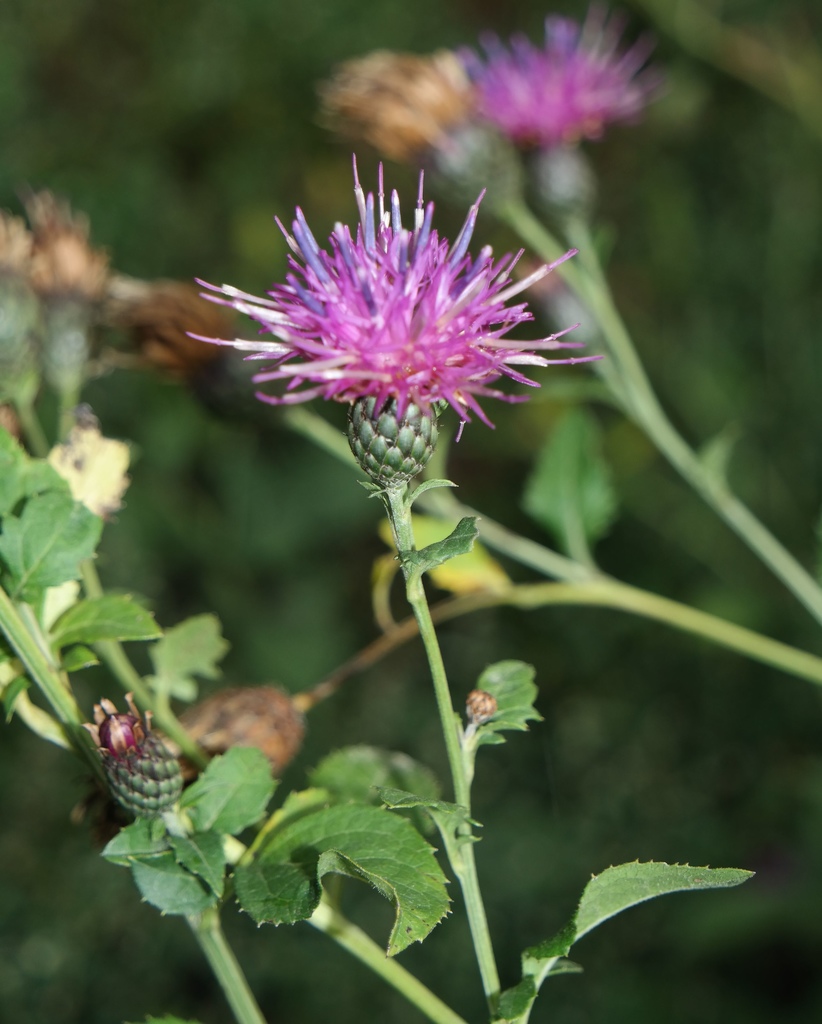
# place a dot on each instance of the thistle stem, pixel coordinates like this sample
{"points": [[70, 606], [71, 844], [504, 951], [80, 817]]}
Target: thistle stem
{"points": [[20, 627], [634, 389], [332, 923], [208, 932], [399, 514]]}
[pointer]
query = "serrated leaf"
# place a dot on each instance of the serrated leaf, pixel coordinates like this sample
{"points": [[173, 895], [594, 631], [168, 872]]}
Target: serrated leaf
{"points": [[112, 617], [512, 685], [232, 793], [569, 490], [78, 658], [352, 839], [167, 885], [618, 888], [458, 542], [470, 573], [191, 648], [355, 773], [45, 545], [202, 854], [145, 837]]}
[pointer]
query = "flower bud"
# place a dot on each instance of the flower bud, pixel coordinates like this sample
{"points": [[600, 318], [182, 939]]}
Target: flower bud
{"points": [[143, 776], [391, 449], [480, 707], [563, 181]]}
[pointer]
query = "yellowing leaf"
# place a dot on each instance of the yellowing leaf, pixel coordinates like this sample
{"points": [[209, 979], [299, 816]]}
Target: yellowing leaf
{"points": [[94, 466], [465, 574]]}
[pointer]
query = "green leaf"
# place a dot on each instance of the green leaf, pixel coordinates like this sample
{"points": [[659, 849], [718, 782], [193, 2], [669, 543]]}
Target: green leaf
{"points": [[45, 545], [355, 773], [232, 793], [277, 893], [428, 485], [569, 491], [78, 658], [21, 476], [618, 888], [359, 841], [514, 1002], [511, 683], [113, 617], [202, 854], [167, 885], [145, 837], [11, 693], [192, 648], [457, 543]]}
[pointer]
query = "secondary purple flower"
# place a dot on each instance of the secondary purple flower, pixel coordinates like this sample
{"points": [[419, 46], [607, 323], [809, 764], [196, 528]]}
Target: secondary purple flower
{"points": [[392, 314], [566, 90]]}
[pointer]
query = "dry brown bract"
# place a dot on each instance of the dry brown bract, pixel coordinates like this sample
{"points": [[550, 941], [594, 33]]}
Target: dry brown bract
{"points": [[63, 264], [400, 103]]}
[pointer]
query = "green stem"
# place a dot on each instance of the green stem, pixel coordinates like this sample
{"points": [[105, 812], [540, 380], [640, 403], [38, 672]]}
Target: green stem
{"points": [[20, 626], [209, 934], [331, 922], [641, 403], [32, 429], [112, 653], [399, 514]]}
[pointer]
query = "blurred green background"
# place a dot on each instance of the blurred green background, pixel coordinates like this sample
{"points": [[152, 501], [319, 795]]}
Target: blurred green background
{"points": [[181, 129]]}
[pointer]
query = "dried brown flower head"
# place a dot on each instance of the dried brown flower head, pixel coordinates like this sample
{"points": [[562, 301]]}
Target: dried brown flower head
{"points": [[63, 264], [159, 315], [15, 245], [247, 716], [400, 103]]}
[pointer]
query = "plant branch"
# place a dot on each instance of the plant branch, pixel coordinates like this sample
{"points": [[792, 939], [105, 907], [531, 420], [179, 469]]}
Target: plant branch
{"points": [[332, 923], [209, 934]]}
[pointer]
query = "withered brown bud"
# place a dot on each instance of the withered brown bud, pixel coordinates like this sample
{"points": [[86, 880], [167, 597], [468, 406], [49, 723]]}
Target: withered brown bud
{"points": [[480, 706], [400, 103], [63, 263], [9, 421], [160, 316], [247, 716]]}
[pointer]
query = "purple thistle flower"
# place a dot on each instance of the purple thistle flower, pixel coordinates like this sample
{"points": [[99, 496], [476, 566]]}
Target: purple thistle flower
{"points": [[567, 90], [392, 313]]}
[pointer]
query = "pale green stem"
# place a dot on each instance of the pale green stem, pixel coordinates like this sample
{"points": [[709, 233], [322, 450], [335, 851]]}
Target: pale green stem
{"points": [[21, 629], [209, 934], [643, 405], [112, 653], [333, 924], [399, 515], [609, 593]]}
